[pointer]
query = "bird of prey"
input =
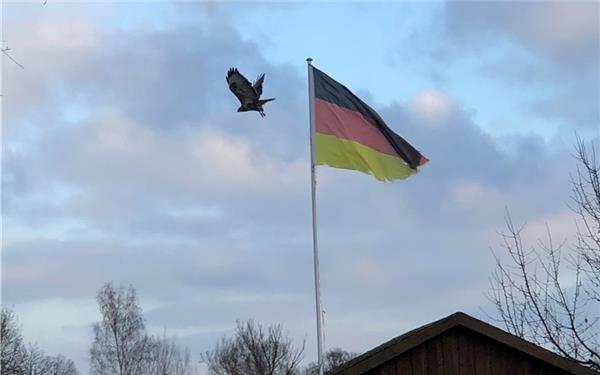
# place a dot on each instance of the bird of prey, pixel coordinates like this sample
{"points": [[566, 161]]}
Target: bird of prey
{"points": [[247, 94]]}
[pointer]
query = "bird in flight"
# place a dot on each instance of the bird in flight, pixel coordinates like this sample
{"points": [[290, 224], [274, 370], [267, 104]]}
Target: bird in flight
{"points": [[248, 94]]}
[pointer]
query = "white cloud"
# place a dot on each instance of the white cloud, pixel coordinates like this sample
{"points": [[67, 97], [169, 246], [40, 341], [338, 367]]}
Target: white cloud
{"points": [[549, 47], [431, 105], [564, 31], [468, 192], [65, 34], [561, 226], [369, 270], [207, 211], [237, 164]]}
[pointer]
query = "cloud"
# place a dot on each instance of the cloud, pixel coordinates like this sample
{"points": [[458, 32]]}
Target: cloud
{"points": [[561, 44], [120, 152], [154, 180], [565, 31], [468, 192], [431, 106]]}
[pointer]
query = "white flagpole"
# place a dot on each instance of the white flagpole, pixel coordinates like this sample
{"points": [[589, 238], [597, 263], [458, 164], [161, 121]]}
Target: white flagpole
{"points": [[311, 107]]}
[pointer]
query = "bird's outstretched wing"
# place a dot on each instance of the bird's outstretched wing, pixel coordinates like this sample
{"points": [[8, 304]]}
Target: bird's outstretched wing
{"points": [[257, 86], [241, 87]]}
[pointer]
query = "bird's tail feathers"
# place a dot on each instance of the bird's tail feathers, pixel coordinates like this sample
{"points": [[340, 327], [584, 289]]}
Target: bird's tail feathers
{"points": [[263, 101]]}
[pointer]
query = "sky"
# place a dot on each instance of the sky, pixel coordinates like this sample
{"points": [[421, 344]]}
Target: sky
{"points": [[124, 160]]}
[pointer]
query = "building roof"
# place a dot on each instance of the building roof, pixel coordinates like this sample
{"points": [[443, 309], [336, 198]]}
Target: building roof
{"points": [[395, 347]]}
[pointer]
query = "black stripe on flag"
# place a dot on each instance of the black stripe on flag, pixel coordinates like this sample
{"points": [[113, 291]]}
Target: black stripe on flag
{"points": [[328, 89]]}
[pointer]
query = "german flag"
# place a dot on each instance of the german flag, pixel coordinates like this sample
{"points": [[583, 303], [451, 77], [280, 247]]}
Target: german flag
{"points": [[351, 135]]}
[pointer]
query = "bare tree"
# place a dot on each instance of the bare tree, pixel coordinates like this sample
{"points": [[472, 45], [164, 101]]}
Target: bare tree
{"points": [[334, 359], [19, 360], [5, 50], [586, 204], [254, 350], [35, 361], [59, 365], [13, 353], [120, 344], [38, 363], [167, 358], [549, 297]]}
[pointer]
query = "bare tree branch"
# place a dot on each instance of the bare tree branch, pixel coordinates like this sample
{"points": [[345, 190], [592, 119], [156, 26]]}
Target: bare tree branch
{"points": [[529, 291], [16, 359], [5, 52], [254, 350]]}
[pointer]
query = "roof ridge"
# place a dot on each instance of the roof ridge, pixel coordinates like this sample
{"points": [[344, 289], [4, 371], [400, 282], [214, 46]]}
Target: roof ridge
{"points": [[405, 342]]}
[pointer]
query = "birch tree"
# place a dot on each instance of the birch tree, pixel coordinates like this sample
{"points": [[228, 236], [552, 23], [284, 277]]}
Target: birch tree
{"points": [[120, 345]]}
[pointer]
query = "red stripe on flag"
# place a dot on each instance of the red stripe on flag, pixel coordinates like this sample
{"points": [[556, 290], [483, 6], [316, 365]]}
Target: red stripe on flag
{"points": [[344, 123]]}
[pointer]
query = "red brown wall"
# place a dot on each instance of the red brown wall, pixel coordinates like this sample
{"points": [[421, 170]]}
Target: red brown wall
{"points": [[460, 351]]}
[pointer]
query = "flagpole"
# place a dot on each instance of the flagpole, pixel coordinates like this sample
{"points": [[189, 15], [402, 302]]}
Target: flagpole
{"points": [[311, 107]]}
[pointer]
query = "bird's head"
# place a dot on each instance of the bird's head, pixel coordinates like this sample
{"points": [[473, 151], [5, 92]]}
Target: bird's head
{"points": [[242, 109]]}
